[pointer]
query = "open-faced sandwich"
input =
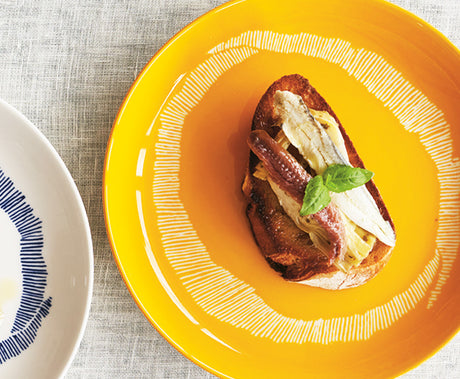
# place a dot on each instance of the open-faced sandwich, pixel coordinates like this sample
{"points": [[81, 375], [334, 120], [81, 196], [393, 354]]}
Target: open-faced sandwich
{"points": [[316, 215]]}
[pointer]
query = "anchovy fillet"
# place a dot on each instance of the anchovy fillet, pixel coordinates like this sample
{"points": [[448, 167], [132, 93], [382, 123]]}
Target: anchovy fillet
{"points": [[288, 179], [312, 141]]}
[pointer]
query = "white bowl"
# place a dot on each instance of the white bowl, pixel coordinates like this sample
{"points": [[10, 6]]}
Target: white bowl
{"points": [[46, 256]]}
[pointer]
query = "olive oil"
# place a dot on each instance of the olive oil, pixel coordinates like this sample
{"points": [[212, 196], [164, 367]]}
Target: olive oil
{"points": [[8, 291]]}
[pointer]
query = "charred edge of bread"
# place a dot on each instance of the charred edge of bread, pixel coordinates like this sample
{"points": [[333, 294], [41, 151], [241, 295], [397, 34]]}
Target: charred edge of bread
{"points": [[286, 248]]}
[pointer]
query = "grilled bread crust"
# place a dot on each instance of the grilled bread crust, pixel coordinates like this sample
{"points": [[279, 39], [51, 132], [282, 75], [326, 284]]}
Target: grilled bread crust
{"points": [[286, 248]]}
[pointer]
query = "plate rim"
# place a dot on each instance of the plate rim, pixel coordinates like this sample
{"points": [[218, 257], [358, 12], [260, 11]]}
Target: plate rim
{"points": [[407, 14], [41, 138]]}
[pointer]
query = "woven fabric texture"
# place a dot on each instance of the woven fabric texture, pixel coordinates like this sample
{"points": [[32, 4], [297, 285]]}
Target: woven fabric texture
{"points": [[67, 66]]}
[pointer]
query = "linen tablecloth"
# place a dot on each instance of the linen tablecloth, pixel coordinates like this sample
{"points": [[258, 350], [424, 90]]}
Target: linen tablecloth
{"points": [[67, 66]]}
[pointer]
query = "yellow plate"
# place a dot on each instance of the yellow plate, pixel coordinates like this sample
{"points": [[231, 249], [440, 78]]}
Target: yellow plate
{"points": [[176, 216]]}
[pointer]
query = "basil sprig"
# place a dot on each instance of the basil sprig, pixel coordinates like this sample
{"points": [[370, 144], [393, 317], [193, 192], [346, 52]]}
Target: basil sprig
{"points": [[341, 178], [316, 196], [336, 178]]}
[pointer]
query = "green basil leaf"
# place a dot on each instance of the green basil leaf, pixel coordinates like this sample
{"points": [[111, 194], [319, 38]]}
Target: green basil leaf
{"points": [[340, 178], [316, 196]]}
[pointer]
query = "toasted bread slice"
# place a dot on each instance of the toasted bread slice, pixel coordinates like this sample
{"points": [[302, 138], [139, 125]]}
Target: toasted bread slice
{"points": [[286, 248]]}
